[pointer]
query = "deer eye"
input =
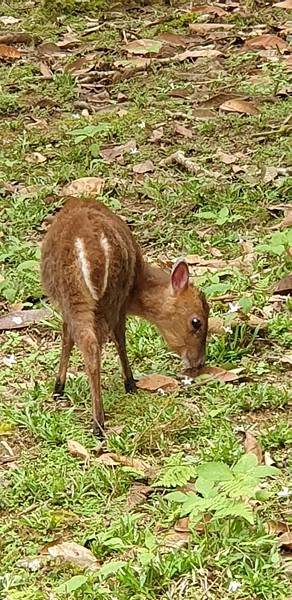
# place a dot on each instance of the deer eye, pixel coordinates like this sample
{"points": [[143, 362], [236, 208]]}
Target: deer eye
{"points": [[196, 324]]}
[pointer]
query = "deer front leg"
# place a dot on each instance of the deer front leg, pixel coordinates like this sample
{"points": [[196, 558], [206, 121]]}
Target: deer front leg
{"points": [[119, 338]]}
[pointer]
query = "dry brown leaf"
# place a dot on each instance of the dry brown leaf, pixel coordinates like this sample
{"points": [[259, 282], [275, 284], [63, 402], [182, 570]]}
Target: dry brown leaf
{"points": [[50, 49], [36, 158], [79, 65], [251, 446], [218, 99], [205, 27], [174, 540], [182, 130], [68, 41], [266, 42], [285, 4], [207, 8], [112, 153], [268, 460], [137, 494], [241, 106], [9, 52], [284, 286], [75, 554], [227, 159], [204, 114], [45, 71], [216, 326], [217, 373], [179, 93], [173, 39], [287, 358], [152, 383], [84, 186], [17, 37], [205, 53], [182, 525], [143, 46], [286, 540], [156, 135], [277, 527], [23, 318], [76, 449], [214, 263], [113, 459], [144, 167], [286, 222], [255, 321], [269, 174]]}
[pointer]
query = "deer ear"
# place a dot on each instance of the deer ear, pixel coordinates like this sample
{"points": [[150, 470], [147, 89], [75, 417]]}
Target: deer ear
{"points": [[180, 276]]}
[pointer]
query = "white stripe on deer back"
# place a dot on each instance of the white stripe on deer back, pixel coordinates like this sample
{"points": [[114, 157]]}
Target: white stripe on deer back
{"points": [[84, 266], [106, 249]]}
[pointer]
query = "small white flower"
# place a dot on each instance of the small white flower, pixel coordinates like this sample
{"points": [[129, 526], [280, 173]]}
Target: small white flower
{"points": [[17, 320], [234, 586], [228, 329], [142, 125], [161, 391], [134, 150], [187, 380], [9, 360], [233, 307], [284, 493]]}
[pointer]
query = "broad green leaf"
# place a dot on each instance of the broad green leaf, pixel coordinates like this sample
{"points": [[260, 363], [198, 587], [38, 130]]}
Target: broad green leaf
{"points": [[71, 585], [114, 542], [215, 471], [205, 487], [176, 497], [111, 567], [266, 471], [246, 463]]}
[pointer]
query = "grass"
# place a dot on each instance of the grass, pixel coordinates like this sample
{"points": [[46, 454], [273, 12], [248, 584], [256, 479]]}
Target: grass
{"points": [[48, 495]]}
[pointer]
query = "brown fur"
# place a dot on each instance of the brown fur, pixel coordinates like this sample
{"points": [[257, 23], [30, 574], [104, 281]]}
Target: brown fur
{"points": [[132, 286]]}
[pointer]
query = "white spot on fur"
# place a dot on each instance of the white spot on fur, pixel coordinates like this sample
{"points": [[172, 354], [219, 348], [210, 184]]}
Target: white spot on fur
{"points": [[106, 249], [84, 266]]}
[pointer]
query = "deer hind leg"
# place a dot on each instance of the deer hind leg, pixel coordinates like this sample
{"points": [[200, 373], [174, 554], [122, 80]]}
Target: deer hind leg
{"points": [[67, 345], [119, 338], [90, 348]]}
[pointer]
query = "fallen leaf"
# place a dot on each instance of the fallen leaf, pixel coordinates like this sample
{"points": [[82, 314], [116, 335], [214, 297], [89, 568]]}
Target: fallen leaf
{"points": [[251, 446], [266, 42], [218, 99], [9, 52], [287, 358], [205, 53], [152, 383], [286, 540], [182, 525], [143, 46], [179, 93], [255, 321], [207, 8], [286, 222], [204, 114], [113, 459], [46, 71], [217, 373], [183, 131], [214, 263], [112, 153], [179, 158], [269, 174], [277, 527], [50, 49], [18, 37], [284, 4], [284, 286], [79, 65], [35, 158], [156, 135], [173, 39], [137, 494], [216, 326], [76, 449], [240, 106], [83, 187], [23, 318], [268, 460], [75, 554], [175, 540], [9, 20], [144, 167], [68, 41], [205, 27], [227, 159]]}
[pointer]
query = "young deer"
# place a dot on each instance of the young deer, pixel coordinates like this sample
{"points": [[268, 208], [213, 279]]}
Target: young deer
{"points": [[94, 272]]}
